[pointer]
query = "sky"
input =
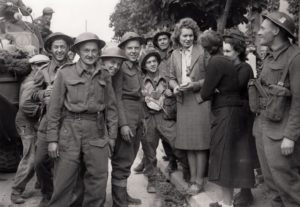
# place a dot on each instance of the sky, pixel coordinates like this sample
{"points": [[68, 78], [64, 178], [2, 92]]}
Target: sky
{"points": [[70, 15]]}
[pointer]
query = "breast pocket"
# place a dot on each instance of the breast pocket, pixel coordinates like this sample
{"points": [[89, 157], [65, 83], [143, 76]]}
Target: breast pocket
{"points": [[76, 91], [276, 72]]}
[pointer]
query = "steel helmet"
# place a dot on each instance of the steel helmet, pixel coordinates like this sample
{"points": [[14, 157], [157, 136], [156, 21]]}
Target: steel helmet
{"points": [[54, 36], [146, 55], [113, 51], [159, 33], [86, 37], [130, 36], [48, 10], [283, 21]]}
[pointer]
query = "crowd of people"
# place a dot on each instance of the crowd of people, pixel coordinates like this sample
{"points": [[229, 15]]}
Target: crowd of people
{"points": [[186, 88]]}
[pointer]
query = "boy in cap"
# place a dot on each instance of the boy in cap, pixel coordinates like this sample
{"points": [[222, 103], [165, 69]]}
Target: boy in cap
{"points": [[26, 122]]}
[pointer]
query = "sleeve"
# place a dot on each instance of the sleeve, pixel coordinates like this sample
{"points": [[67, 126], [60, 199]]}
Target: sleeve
{"points": [[173, 78], [38, 88], [55, 108], [212, 78], [244, 75], [26, 105], [111, 112], [292, 129], [118, 86]]}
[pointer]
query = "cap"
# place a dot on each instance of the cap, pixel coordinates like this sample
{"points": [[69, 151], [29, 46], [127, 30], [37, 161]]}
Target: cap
{"points": [[48, 10], [39, 59]]}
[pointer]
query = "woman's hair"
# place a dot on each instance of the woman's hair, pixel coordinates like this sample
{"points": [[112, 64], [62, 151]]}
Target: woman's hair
{"points": [[211, 41], [239, 46], [187, 23]]}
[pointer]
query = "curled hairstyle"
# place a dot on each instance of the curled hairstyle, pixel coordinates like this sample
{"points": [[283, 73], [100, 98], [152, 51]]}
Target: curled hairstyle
{"points": [[239, 46], [187, 23], [211, 41]]}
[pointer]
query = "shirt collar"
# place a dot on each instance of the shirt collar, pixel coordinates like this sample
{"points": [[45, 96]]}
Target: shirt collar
{"points": [[131, 64], [81, 68], [187, 51], [278, 52]]}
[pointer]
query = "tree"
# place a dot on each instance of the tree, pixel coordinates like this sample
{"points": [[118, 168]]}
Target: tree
{"points": [[140, 15], [294, 8]]}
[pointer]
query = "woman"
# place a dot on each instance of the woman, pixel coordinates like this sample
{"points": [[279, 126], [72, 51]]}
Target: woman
{"points": [[186, 76], [234, 47], [221, 86]]}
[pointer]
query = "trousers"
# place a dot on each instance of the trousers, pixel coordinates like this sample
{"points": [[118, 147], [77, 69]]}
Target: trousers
{"points": [[81, 143], [281, 173]]}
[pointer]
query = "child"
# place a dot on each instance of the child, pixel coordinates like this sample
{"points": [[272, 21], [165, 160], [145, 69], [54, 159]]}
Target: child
{"points": [[154, 90]]}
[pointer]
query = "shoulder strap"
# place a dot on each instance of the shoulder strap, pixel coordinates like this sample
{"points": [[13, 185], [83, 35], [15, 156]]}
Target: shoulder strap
{"points": [[286, 69]]}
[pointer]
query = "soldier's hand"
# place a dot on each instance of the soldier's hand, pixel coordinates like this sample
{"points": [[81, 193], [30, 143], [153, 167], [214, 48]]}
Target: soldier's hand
{"points": [[126, 133], [176, 90], [111, 144], [287, 146], [53, 150], [48, 91]]}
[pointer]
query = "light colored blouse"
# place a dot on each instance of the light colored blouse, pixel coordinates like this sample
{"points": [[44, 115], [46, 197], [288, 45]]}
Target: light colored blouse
{"points": [[186, 56]]}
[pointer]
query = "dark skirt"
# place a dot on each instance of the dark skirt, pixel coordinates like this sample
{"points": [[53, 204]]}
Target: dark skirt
{"points": [[231, 162], [193, 124]]}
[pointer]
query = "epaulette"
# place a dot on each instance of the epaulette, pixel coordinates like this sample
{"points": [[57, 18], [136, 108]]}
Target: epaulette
{"points": [[66, 65]]}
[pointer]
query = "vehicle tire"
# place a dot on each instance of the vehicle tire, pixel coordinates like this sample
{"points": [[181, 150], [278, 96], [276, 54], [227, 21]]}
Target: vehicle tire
{"points": [[10, 156]]}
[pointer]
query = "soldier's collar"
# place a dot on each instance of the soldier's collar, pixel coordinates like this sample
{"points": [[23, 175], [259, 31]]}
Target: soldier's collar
{"points": [[81, 68], [275, 54], [131, 64]]}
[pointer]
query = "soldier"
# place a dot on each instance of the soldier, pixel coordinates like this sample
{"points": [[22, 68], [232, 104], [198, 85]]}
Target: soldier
{"points": [[44, 22], [26, 122], [82, 122], [277, 139], [127, 84], [57, 44]]}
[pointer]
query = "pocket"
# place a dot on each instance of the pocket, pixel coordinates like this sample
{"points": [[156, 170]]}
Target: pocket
{"points": [[276, 72], [99, 142], [76, 90], [100, 89]]}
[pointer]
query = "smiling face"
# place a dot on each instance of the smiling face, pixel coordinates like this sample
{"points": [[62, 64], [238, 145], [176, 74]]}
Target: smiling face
{"points": [[132, 50], [112, 64], [89, 53], [267, 33], [151, 64], [186, 37], [59, 50], [229, 52], [163, 42]]}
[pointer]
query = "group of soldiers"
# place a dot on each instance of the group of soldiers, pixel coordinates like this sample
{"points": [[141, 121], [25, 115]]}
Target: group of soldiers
{"points": [[75, 116]]}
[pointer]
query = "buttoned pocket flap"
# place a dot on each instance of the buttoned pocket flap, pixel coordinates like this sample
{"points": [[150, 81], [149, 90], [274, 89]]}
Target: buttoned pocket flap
{"points": [[75, 82], [276, 66], [102, 83], [98, 142]]}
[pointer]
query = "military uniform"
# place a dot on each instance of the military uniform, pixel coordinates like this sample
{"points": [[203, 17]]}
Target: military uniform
{"points": [[281, 172], [43, 164], [127, 85], [82, 118], [43, 26]]}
